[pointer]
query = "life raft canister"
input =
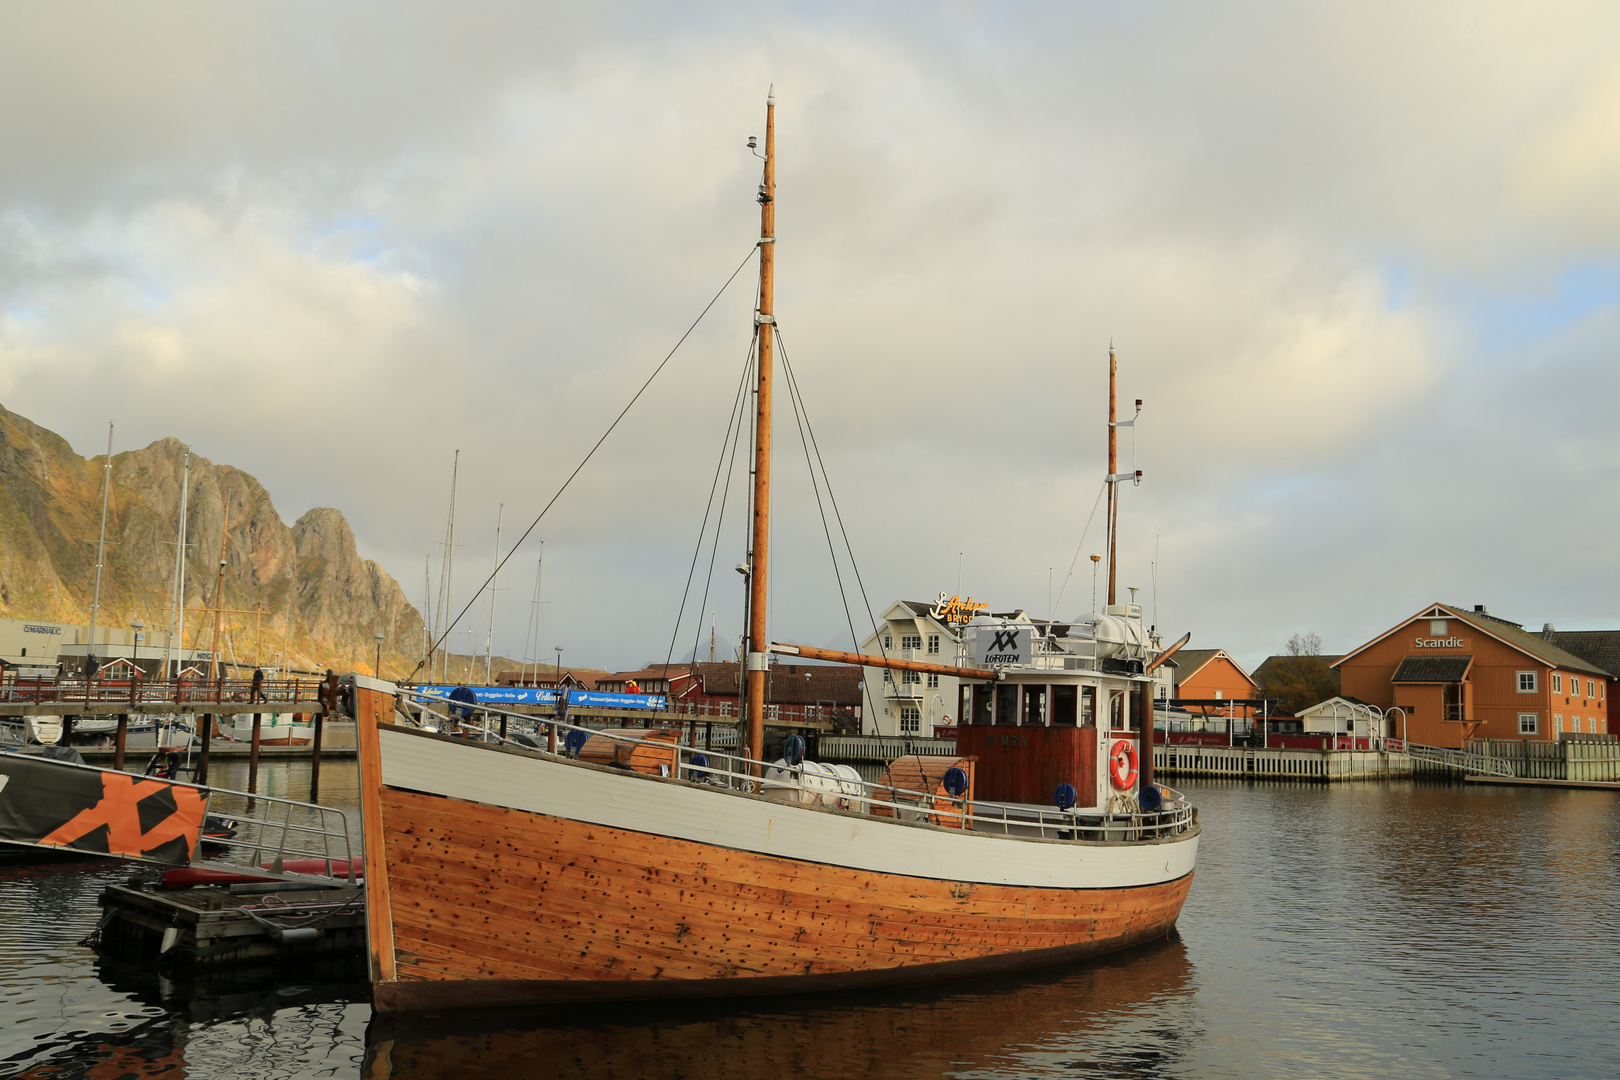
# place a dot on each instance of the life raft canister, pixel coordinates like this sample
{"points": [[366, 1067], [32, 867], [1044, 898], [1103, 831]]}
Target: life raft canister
{"points": [[1122, 764]]}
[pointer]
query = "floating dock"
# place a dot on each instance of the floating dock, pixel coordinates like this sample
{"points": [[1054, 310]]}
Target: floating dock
{"points": [[216, 925]]}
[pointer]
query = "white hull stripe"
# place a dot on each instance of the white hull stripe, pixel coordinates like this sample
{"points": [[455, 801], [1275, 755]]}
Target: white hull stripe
{"points": [[476, 774]]}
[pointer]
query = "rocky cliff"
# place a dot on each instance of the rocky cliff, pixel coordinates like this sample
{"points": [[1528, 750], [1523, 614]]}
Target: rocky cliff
{"points": [[322, 603]]}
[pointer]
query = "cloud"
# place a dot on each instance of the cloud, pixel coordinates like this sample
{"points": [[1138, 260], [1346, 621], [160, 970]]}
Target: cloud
{"points": [[333, 246]]}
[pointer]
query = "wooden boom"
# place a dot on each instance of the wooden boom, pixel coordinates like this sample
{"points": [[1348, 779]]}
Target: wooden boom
{"points": [[867, 660]]}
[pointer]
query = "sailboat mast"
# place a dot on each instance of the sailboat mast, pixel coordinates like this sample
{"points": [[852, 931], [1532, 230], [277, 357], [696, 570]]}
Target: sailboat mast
{"points": [[101, 542], [489, 637], [177, 606], [219, 594], [759, 559], [1113, 466]]}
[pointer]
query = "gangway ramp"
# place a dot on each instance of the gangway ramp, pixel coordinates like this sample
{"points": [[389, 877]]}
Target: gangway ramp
{"points": [[1462, 761]]}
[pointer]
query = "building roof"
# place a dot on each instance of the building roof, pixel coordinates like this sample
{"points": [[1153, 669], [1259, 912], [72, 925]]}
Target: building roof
{"points": [[1432, 669], [1509, 633], [1193, 660], [1515, 635], [1599, 647], [1328, 704]]}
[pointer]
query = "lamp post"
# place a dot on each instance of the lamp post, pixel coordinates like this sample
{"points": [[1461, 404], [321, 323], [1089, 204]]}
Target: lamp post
{"points": [[377, 671], [559, 664]]}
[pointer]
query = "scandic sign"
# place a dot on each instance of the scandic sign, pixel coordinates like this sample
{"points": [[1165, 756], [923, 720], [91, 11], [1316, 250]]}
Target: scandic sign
{"points": [[1440, 643]]}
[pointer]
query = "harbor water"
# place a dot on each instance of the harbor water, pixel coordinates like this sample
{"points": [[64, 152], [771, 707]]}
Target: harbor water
{"points": [[1393, 929]]}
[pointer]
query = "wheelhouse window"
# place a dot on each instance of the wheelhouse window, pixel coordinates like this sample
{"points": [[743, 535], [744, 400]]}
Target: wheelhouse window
{"points": [[1527, 682], [1527, 723]]}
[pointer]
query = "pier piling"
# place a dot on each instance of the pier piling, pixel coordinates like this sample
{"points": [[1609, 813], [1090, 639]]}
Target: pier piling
{"points": [[315, 761], [253, 760], [123, 735], [205, 724]]}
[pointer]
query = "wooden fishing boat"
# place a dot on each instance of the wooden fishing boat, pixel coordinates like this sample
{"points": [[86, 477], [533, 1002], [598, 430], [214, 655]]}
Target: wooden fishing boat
{"points": [[504, 874]]}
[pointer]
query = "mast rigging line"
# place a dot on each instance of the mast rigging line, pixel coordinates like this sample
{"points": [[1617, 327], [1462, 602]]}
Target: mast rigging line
{"points": [[728, 450], [1052, 614], [754, 248], [800, 408]]}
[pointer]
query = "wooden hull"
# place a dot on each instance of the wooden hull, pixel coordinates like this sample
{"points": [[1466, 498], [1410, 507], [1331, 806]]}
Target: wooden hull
{"points": [[509, 878]]}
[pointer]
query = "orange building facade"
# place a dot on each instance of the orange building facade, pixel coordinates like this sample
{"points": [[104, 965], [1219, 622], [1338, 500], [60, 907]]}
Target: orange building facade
{"points": [[1457, 674]]}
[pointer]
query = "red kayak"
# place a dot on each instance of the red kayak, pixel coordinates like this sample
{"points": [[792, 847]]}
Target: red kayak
{"points": [[184, 877]]}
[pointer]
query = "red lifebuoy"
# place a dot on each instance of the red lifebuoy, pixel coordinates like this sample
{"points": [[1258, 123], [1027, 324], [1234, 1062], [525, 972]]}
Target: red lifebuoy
{"points": [[1122, 764]]}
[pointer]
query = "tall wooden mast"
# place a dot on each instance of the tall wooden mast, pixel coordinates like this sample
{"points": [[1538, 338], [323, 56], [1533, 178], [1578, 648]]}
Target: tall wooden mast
{"points": [[759, 557], [1113, 466]]}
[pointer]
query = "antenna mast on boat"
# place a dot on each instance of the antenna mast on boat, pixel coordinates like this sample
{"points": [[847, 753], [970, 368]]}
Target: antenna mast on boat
{"points": [[1115, 477], [101, 542], [759, 555], [177, 606]]}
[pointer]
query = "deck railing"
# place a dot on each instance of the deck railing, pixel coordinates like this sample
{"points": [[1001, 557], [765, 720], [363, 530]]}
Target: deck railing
{"points": [[1123, 820]]}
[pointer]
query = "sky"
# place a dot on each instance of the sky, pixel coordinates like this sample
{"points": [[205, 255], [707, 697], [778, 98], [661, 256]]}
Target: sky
{"points": [[1360, 261]]}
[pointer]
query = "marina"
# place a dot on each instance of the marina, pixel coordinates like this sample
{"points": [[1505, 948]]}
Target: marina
{"points": [[281, 795]]}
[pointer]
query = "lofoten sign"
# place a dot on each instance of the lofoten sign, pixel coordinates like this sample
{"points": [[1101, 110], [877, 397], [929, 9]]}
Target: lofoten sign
{"points": [[1440, 643]]}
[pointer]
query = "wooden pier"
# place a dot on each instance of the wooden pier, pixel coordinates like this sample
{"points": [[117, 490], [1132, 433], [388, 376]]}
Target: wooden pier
{"points": [[1237, 762]]}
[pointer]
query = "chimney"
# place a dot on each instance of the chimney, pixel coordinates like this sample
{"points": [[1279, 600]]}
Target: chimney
{"points": [[1547, 631], [1481, 609]]}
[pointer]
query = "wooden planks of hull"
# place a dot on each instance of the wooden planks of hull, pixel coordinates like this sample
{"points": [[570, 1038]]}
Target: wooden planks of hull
{"points": [[489, 904]]}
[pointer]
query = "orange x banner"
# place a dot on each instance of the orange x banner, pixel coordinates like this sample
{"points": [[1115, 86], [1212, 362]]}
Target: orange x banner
{"points": [[54, 804]]}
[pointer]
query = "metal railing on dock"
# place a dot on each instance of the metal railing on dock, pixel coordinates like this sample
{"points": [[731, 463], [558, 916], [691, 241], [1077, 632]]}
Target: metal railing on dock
{"points": [[1460, 761]]}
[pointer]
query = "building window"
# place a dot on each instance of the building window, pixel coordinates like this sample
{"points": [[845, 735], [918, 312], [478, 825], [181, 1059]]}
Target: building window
{"points": [[1217, 695], [910, 719], [888, 641], [1527, 682], [933, 680], [1591, 688], [1527, 723], [1557, 683], [1437, 628], [910, 677], [888, 675], [1591, 726], [933, 644], [911, 641], [1558, 723]]}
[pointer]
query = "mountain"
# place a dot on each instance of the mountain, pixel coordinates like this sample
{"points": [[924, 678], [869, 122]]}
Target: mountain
{"points": [[322, 602]]}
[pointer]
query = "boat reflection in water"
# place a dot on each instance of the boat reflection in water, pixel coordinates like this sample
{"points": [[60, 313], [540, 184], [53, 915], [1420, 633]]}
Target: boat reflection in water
{"points": [[1129, 1014]]}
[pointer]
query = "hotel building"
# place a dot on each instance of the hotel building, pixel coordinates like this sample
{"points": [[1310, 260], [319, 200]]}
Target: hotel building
{"points": [[1454, 674]]}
